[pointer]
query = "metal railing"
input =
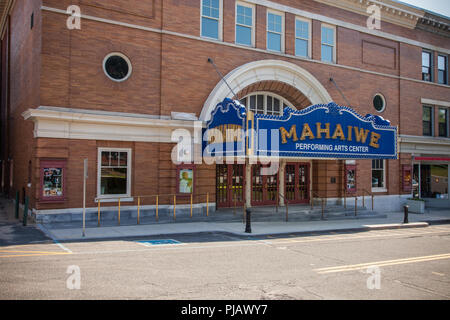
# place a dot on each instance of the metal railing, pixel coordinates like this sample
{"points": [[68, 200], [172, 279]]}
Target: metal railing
{"points": [[322, 200], [364, 193], [172, 201]]}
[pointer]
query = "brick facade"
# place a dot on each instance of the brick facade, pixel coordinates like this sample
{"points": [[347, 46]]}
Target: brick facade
{"points": [[51, 65]]}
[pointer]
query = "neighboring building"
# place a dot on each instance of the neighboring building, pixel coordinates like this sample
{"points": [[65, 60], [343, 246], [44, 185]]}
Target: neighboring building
{"points": [[114, 90]]}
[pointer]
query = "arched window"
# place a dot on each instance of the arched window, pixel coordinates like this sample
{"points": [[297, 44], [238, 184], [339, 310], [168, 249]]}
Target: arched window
{"points": [[266, 103]]}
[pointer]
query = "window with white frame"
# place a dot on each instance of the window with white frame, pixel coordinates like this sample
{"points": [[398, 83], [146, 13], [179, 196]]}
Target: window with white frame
{"points": [[302, 36], [378, 175], [328, 43], [427, 66], [266, 103], [114, 172], [211, 19], [275, 31], [442, 69], [245, 31]]}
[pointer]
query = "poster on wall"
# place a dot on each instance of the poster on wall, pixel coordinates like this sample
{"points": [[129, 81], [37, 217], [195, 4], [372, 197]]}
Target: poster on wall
{"points": [[351, 178], [186, 180], [53, 186]]}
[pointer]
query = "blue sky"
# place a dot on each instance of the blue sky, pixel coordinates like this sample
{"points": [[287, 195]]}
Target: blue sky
{"points": [[439, 6]]}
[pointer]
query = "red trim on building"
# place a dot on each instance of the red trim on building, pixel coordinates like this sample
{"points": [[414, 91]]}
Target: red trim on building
{"points": [[431, 159]]}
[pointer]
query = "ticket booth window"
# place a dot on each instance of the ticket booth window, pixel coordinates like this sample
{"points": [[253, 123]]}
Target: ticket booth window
{"points": [[350, 178], [53, 174], [407, 178]]}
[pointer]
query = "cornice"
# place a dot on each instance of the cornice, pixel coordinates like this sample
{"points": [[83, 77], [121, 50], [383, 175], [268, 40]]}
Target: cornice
{"points": [[121, 119], [74, 124], [391, 12]]}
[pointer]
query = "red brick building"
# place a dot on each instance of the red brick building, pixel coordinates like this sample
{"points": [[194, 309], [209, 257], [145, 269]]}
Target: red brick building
{"points": [[113, 89]]}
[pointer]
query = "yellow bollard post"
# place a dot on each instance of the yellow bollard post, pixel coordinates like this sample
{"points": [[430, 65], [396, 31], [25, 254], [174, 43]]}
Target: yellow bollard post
{"points": [[192, 199], [174, 207], [119, 212], [207, 204], [157, 206], [139, 204], [98, 223]]}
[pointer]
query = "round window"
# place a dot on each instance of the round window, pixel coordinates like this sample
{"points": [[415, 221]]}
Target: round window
{"points": [[117, 67], [379, 103]]}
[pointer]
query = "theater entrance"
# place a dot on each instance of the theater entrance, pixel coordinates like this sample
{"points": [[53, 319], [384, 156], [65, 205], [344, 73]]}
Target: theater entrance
{"points": [[264, 187], [230, 185], [294, 178], [297, 182]]}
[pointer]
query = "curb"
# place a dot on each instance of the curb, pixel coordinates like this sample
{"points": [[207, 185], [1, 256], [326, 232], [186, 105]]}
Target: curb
{"points": [[250, 235], [365, 228], [398, 226]]}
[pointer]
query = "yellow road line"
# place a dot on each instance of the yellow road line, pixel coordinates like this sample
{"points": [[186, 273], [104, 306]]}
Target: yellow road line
{"points": [[34, 255], [351, 237], [382, 263], [17, 251]]}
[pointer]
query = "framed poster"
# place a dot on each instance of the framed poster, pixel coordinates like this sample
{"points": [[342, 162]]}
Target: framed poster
{"points": [[350, 178], [185, 179], [406, 178], [53, 174]]}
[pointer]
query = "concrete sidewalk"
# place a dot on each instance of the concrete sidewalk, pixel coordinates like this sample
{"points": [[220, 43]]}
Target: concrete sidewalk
{"points": [[394, 220]]}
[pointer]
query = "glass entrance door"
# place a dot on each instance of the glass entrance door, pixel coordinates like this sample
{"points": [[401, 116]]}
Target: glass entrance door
{"points": [[230, 185], [222, 189], [297, 182], [237, 194], [264, 187]]}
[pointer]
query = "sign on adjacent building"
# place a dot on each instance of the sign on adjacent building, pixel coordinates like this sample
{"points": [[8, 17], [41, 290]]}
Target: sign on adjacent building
{"points": [[319, 131]]}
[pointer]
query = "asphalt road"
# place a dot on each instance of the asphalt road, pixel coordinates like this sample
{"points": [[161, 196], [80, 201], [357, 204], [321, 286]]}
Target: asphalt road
{"points": [[412, 264]]}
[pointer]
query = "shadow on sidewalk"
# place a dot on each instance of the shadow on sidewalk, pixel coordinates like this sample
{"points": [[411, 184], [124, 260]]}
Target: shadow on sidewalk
{"points": [[12, 231]]}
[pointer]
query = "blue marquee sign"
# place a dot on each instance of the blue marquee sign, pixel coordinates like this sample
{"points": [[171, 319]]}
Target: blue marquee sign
{"points": [[319, 131], [225, 132]]}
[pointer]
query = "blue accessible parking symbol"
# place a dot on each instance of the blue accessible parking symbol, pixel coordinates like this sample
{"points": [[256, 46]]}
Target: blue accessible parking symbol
{"points": [[149, 243]]}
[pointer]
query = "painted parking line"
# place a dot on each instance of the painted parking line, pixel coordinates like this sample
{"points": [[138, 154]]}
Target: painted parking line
{"points": [[52, 236], [361, 266]]}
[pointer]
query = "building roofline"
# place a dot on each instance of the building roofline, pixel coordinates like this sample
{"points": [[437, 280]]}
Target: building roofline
{"points": [[423, 9]]}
